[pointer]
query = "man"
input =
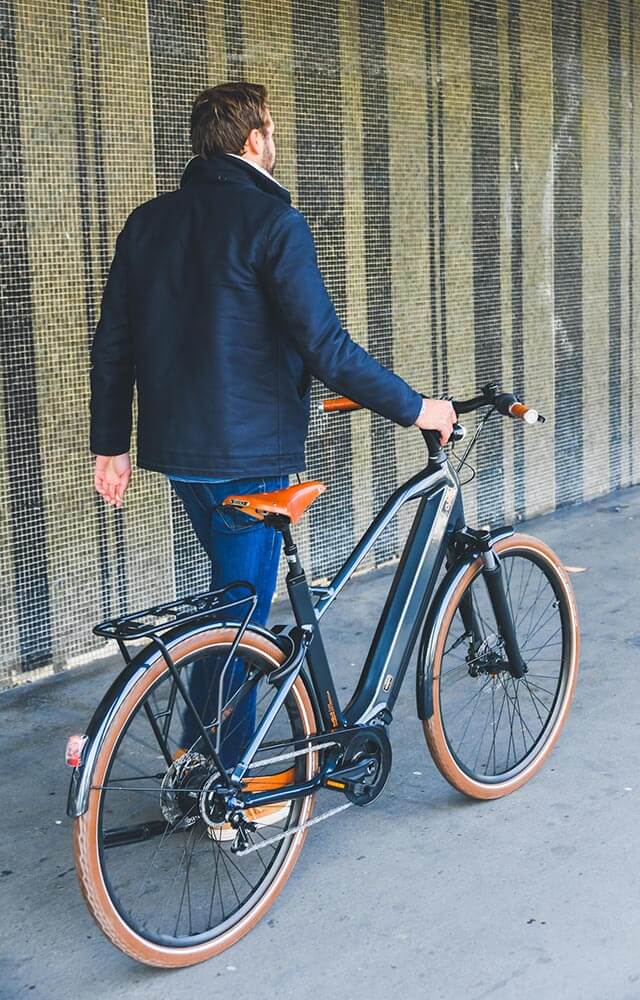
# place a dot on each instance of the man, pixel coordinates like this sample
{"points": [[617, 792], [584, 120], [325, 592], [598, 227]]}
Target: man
{"points": [[216, 309]]}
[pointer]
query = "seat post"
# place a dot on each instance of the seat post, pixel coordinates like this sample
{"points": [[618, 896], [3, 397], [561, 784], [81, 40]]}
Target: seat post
{"points": [[283, 524], [291, 552]]}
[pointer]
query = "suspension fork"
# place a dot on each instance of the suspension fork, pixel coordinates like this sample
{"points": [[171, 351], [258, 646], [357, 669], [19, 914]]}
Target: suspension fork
{"points": [[455, 550], [494, 578], [493, 574]]}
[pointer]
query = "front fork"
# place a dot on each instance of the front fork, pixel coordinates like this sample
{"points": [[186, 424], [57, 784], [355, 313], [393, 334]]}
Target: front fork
{"points": [[493, 573]]}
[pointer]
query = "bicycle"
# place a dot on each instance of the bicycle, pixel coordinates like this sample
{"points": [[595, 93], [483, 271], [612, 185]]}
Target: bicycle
{"points": [[174, 865]]}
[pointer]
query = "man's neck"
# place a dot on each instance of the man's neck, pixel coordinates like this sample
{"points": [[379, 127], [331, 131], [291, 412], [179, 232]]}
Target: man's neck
{"points": [[258, 166]]}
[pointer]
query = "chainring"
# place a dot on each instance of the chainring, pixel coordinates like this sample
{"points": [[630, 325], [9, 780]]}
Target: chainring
{"points": [[374, 743]]}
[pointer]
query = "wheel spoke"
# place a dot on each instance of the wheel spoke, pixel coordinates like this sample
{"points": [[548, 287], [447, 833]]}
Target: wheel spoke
{"points": [[493, 741], [172, 875], [477, 757], [473, 696], [518, 710]]}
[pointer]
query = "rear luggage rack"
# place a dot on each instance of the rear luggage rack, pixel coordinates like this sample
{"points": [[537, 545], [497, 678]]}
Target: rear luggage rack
{"points": [[151, 622], [159, 617]]}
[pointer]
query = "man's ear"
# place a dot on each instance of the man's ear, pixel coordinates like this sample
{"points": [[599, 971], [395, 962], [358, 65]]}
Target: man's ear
{"points": [[252, 141]]}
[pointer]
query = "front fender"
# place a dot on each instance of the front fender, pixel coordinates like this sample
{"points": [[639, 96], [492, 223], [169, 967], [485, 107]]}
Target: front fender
{"points": [[433, 624], [82, 776]]}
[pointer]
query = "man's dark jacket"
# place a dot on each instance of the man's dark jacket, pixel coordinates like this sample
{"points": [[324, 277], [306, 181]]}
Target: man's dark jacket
{"points": [[215, 307]]}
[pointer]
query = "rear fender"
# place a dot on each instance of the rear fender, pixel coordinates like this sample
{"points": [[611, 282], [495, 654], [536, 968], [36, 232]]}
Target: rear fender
{"points": [[82, 776]]}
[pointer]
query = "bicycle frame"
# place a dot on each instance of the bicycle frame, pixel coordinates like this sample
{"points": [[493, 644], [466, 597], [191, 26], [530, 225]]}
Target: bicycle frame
{"points": [[439, 514], [438, 518]]}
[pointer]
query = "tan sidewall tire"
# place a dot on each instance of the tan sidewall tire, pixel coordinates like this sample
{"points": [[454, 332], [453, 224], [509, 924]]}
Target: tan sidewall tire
{"points": [[85, 827], [433, 727]]}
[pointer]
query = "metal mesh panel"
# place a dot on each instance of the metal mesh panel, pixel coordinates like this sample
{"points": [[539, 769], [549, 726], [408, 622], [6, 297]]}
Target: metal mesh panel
{"points": [[468, 172]]}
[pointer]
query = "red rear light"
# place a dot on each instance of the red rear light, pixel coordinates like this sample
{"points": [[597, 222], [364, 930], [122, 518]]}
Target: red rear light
{"points": [[75, 748]]}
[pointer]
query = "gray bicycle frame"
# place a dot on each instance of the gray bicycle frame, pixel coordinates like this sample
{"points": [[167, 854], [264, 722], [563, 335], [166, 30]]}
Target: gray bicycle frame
{"points": [[439, 513]]}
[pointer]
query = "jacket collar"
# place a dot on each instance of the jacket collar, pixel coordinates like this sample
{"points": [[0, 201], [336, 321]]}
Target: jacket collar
{"points": [[226, 168]]}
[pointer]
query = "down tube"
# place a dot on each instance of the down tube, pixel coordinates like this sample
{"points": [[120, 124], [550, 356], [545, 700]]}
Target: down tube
{"points": [[405, 607]]}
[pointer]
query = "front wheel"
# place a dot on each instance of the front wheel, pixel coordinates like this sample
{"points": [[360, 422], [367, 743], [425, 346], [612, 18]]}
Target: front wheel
{"points": [[490, 732], [159, 874]]}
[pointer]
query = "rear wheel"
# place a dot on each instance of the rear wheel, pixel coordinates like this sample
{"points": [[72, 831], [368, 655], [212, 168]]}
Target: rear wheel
{"points": [[490, 732], [163, 883]]}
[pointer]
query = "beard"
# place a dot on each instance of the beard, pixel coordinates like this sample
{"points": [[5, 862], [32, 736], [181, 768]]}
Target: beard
{"points": [[268, 160]]}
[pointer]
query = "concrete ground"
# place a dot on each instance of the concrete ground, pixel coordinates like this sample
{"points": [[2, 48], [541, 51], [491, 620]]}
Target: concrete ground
{"points": [[424, 894]]}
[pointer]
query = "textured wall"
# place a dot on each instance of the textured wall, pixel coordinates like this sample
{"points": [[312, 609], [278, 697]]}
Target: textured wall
{"points": [[468, 171]]}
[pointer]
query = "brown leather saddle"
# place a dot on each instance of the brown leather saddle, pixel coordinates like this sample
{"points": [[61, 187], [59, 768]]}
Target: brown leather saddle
{"points": [[290, 502]]}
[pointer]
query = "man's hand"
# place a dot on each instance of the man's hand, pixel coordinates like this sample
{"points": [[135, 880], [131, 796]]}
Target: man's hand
{"points": [[437, 415], [111, 477]]}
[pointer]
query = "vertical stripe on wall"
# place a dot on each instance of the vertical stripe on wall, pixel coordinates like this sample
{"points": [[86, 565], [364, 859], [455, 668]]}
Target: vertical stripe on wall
{"points": [[506, 305], [634, 236], [485, 138], [624, 240], [515, 180], [436, 379], [21, 426], [94, 84], [319, 139], [442, 270], [233, 38], [632, 360], [375, 114], [567, 256], [615, 270], [355, 250], [90, 281], [408, 182], [178, 52], [436, 189], [457, 161], [536, 137], [595, 247], [129, 178]]}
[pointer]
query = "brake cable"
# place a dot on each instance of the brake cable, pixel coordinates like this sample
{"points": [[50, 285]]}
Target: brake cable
{"points": [[462, 459]]}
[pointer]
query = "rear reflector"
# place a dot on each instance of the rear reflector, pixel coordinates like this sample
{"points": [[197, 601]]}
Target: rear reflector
{"points": [[75, 748]]}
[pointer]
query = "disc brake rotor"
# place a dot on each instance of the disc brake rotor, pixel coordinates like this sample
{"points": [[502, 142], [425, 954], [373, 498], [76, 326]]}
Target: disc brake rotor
{"points": [[181, 787]]}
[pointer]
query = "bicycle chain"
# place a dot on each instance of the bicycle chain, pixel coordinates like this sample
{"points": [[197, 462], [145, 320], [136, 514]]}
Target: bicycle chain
{"points": [[301, 826], [293, 830], [294, 753]]}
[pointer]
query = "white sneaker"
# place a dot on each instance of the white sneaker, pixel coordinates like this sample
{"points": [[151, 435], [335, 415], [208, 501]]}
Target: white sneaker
{"points": [[261, 816]]}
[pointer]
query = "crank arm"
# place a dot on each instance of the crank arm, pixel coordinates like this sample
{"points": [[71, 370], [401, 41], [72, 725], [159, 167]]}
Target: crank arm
{"points": [[341, 738], [345, 776], [348, 775]]}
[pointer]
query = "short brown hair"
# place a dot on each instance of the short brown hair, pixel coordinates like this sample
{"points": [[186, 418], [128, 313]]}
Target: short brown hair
{"points": [[223, 116]]}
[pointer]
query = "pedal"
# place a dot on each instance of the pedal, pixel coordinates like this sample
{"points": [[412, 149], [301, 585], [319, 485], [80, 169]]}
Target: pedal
{"points": [[366, 766], [344, 777]]}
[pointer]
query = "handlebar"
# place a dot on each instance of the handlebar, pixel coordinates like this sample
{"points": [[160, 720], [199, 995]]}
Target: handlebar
{"points": [[506, 403]]}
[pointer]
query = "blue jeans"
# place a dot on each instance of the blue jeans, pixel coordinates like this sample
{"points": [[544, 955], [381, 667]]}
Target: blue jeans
{"points": [[240, 548]]}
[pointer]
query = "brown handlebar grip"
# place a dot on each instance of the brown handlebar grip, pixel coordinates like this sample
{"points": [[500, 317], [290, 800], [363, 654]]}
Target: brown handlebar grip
{"points": [[339, 405], [523, 412]]}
